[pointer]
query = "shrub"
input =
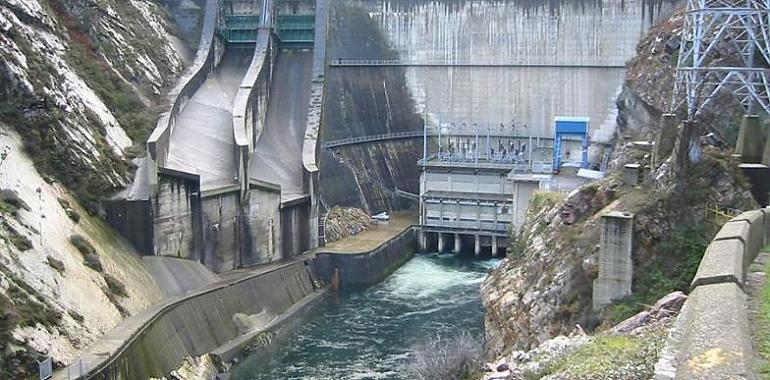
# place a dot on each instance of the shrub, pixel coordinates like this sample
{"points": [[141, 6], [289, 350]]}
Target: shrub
{"points": [[21, 242], [456, 358], [90, 257], [56, 265], [114, 285]]}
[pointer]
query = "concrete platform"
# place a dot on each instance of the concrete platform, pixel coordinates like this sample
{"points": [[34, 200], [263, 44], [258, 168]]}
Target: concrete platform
{"points": [[373, 237]]}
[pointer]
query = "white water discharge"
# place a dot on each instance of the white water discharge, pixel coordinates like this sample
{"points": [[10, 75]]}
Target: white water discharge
{"points": [[370, 333]]}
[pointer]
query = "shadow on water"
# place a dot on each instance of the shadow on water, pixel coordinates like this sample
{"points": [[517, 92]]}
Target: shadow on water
{"points": [[368, 333]]}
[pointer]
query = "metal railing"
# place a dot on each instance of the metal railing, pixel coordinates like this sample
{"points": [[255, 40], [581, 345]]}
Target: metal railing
{"points": [[439, 62], [720, 215], [370, 138]]}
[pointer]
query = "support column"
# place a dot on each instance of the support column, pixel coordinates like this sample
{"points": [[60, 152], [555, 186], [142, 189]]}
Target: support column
{"points": [[477, 246], [494, 246], [440, 242], [615, 263], [423, 240], [749, 146], [457, 243]]}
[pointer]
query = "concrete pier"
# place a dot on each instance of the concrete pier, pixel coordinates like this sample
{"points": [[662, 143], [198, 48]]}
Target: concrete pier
{"points": [[441, 242], [458, 244], [422, 239], [749, 146], [615, 263], [494, 246], [477, 246]]}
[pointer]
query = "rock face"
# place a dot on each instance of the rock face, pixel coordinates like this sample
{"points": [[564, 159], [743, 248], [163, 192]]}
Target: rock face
{"points": [[543, 288], [78, 83], [627, 351], [76, 78], [56, 297]]}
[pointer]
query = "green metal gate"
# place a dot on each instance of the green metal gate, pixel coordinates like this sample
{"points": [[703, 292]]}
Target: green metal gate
{"points": [[239, 20], [295, 29]]}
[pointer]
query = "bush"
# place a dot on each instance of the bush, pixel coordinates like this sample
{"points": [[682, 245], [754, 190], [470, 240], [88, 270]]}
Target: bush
{"points": [[90, 257], [56, 265], [456, 358], [115, 286], [21, 242]]}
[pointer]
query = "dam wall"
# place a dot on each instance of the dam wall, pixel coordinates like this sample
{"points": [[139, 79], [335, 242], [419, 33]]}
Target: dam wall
{"points": [[534, 61], [155, 343], [367, 267]]}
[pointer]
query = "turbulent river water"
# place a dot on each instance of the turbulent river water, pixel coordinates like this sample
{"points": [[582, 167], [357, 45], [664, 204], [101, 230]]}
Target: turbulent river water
{"points": [[370, 333]]}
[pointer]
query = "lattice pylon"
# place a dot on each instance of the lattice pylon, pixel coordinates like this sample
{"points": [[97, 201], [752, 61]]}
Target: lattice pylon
{"points": [[725, 48]]}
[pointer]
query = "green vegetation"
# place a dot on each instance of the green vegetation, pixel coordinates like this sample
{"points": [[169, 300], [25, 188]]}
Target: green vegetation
{"points": [[21, 242], [629, 357], [90, 256], [57, 265], [678, 258], [20, 306], [541, 199], [71, 213], [114, 285]]}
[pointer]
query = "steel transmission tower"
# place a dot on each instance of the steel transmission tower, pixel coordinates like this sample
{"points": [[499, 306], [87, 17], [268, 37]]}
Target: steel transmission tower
{"points": [[725, 48]]}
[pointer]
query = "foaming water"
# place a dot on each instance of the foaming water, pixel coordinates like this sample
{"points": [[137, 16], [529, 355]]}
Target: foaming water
{"points": [[368, 333]]}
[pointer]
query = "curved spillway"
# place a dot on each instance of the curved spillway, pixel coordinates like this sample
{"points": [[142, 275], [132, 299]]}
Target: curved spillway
{"points": [[202, 139], [278, 153]]}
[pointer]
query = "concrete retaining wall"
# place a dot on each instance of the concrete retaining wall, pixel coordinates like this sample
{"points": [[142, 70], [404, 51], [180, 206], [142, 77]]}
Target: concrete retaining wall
{"points": [[250, 105], [177, 216], [199, 323], [367, 268], [711, 338], [207, 57], [295, 216]]}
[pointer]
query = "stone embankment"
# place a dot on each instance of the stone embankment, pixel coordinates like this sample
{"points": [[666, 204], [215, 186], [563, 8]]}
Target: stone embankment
{"points": [[711, 338]]}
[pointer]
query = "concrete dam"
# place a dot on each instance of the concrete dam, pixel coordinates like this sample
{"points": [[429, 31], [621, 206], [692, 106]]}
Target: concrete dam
{"points": [[226, 183], [244, 164], [393, 64]]}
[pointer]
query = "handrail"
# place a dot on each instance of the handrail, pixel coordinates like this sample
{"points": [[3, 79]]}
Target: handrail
{"points": [[339, 62], [713, 320]]}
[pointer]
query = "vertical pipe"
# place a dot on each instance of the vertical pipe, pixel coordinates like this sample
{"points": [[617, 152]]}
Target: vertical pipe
{"points": [[424, 140], [476, 148]]}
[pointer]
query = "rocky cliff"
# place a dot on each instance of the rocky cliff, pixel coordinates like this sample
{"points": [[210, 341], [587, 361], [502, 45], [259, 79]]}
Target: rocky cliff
{"points": [[81, 82], [543, 288], [78, 80]]}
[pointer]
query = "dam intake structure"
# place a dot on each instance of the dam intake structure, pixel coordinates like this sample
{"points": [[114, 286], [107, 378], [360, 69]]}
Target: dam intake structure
{"points": [[226, 181]]}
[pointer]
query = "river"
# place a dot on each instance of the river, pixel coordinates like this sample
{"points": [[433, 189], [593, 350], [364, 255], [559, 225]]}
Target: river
{"points": [[369, 333]]}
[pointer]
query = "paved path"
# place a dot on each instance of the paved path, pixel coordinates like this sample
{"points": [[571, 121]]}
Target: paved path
{"points": [[278, 154], [202, 139], [372, 237]]}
